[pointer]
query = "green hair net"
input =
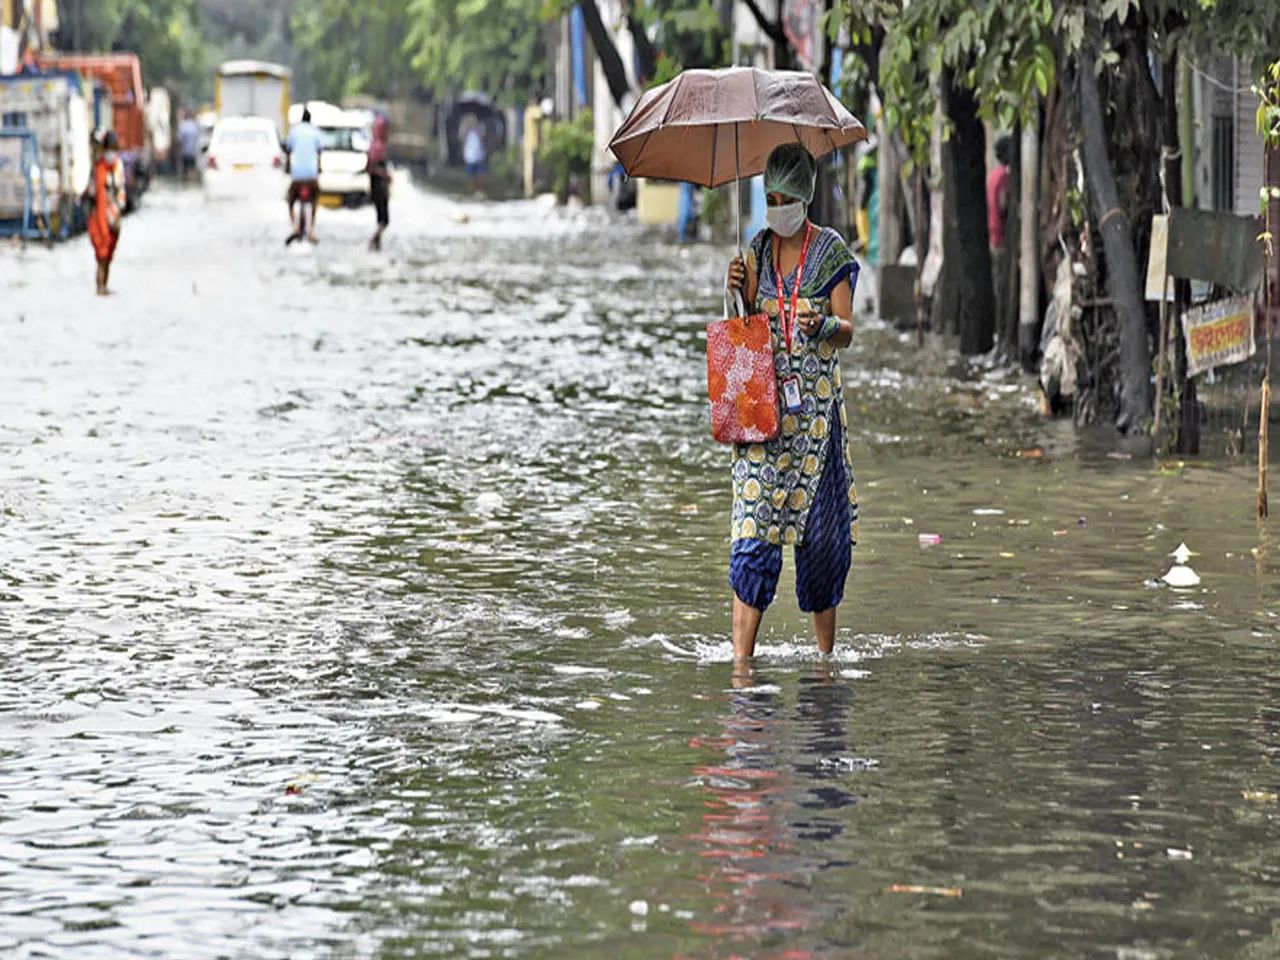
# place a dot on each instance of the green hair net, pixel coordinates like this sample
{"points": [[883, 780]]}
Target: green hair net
{"points": [[791, 172]]}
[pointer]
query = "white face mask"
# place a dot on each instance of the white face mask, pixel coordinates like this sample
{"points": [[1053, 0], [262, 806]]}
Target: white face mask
{"points": [[787, 219]]}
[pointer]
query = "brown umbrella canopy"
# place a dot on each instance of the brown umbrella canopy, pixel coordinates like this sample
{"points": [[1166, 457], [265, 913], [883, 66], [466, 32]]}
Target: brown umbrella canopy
{"points": [[713, 126]]}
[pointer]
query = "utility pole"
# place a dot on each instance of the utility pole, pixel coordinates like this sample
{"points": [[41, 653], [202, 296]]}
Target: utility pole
{"points": [[1029, 236]]}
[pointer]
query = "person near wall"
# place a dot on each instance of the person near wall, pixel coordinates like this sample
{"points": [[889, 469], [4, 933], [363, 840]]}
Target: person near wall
{"points": [[997, 217]]}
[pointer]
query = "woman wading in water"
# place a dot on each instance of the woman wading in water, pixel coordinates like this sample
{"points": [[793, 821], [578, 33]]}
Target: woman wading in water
{"points": [[797, 489], [106, 197]]}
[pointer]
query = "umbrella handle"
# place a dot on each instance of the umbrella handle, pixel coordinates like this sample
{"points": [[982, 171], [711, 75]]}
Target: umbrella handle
{"points": [[738, 301], [734, 304], [737, 192]]}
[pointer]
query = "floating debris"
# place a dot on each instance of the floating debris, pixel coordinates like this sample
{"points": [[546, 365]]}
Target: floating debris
{"points": [[1181, 575], [930, 539], [931, 891], [1259, 796]]}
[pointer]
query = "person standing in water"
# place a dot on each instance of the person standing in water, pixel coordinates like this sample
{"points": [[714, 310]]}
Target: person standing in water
{"points": [[302, 147], [473, 156], [106, 197], [189, 139], [997, 217], [379, 179], [797, 489]]}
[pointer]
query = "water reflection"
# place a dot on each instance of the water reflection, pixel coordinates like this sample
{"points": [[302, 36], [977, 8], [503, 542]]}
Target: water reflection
{"points": [[773, 795]]}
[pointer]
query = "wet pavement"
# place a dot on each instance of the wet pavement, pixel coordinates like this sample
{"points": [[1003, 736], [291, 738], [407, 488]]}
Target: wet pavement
{"points": [[375, 606]]}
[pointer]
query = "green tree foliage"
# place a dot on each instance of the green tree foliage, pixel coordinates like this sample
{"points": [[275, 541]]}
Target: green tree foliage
{"points": [[1007, 51], [165, 34], [253, 30], [354, 48], [497, 47], [494, 46], [687, 34], [392, 47], [567, 150]]}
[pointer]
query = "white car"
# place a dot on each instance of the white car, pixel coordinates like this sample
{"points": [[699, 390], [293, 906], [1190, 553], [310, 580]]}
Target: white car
{"points": [[244, 156], [343, 150]]}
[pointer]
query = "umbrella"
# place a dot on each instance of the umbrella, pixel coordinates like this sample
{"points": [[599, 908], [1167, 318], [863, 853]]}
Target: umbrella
{"points": [[711, 127]]}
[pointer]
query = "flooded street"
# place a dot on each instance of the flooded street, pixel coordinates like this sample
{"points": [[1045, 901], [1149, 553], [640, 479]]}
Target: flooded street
{"points": [[376, 606]]}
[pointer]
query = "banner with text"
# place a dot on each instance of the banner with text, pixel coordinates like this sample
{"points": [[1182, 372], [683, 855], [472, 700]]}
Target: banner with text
{"points": [[1218, 334]]}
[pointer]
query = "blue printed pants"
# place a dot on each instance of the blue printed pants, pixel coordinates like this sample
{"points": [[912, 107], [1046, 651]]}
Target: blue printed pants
{"points": [[822, 561]]}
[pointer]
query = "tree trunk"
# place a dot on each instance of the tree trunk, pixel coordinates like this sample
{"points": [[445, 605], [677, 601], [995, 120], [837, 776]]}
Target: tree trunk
{"points": [[615, 72], [889, 183], [966, 297], [783, 58], [646, 53], [1117, 241]]}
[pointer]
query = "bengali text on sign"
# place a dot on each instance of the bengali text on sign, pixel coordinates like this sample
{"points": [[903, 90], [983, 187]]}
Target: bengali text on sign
{"points": [[1218, 334]]}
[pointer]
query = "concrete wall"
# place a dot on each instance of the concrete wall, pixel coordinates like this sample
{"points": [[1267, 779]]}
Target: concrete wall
{"points": [[1221, 95]]}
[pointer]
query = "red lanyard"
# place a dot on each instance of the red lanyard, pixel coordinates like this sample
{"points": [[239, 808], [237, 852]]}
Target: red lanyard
{"points": [[789, 324]]}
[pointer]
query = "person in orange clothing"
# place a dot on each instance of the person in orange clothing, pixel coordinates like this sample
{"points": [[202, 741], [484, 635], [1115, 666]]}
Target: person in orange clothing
{"points": [[105, 194]]}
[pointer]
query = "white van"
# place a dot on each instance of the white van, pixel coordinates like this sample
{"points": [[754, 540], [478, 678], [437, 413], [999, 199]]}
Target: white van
{"points": [[346, 133]]}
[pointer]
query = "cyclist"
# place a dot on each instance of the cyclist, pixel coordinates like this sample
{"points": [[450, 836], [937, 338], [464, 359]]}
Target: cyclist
{"points": [[302, 147]]}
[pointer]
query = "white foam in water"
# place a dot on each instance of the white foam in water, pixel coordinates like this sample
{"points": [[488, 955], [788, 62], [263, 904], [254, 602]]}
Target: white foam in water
{"points": [[573, 670], [648, 841], [803, 649], [619, 618], [847, 764], [471, 712]]}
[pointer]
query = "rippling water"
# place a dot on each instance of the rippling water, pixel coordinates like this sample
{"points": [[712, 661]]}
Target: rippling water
{"points": [[376, 606]]}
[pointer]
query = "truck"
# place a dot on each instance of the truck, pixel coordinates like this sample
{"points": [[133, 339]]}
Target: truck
{"points": [[254, 88], [51, 112], [121, 74]]}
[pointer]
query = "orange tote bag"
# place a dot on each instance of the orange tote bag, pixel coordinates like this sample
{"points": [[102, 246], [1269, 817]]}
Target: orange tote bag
{"points": [[741, 381]]}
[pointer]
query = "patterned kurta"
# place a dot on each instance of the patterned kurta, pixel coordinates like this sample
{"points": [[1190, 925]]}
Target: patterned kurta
{"points": [[774, 483]]}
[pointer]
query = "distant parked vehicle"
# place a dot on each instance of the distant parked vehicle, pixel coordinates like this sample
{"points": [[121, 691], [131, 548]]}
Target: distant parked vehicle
{"points": [[121, 74], [49, 110], [254, 88], [244, 157]]}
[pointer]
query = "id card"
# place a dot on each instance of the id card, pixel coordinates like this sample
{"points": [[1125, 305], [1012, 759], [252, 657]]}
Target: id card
{"points": [[791, 394]]}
